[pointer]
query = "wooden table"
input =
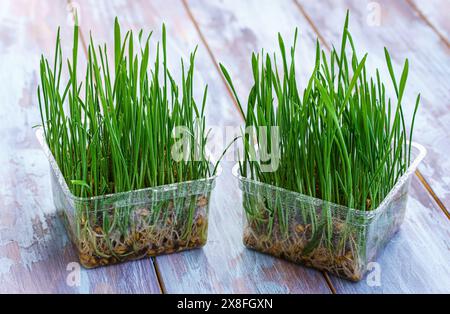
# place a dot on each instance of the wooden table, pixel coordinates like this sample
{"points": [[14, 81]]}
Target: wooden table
{"points": [[35, 254]]}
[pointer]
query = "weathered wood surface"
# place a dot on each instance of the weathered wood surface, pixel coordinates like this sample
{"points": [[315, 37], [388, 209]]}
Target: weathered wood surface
{"points": [[35, 254], [34, 249], [223, 265], [434, 13], [417, 258], [405, 35], [233, 32]]}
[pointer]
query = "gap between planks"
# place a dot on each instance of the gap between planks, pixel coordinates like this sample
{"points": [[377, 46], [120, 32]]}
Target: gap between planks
{"points": [[429, 24], [433, 195], [322, 40], [418, 174], [161, 284], [211, 55], [153, 263], [326, 45], [216, 65]]}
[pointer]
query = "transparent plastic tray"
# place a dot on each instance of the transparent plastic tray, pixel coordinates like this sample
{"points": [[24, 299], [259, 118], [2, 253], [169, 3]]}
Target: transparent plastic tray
{"points": [[117, 227], [357, 237]]}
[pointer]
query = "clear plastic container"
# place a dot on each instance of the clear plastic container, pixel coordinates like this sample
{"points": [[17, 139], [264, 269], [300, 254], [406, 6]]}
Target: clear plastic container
{"points": [[298, 231], [117, 227]]}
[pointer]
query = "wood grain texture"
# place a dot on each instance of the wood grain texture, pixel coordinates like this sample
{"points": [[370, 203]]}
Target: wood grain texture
{"points": [[35, 253], [417, 258], [405, 35], [234, 29], [428, 69], [435, 14], [229, 24], [98, 17], [34, 249], [223, 265]]}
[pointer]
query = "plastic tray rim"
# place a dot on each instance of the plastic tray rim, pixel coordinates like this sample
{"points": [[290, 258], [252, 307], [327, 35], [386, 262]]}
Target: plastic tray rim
{"points": [[55, 168], [316, 201]]}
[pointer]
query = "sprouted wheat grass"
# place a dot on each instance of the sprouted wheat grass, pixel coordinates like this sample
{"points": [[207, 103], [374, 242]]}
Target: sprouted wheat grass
{"points": [[342, 140], [111, 132]]}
